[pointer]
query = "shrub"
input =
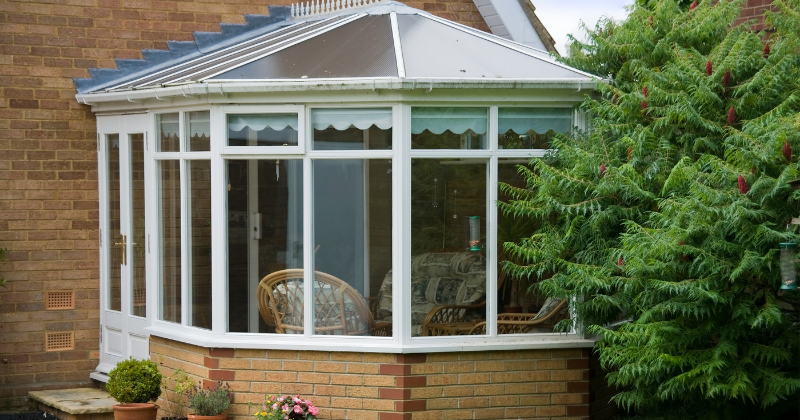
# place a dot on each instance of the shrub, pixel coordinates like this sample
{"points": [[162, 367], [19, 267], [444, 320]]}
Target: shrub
{"points": [[134, 381], [210, 402]]}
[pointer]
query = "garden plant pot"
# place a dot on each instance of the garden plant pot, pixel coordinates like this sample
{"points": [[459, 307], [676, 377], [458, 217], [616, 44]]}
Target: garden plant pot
{"points": [[135, 411], [217, 417]]}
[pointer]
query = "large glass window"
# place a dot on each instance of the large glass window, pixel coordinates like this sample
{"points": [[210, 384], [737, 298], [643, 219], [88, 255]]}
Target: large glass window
{"points": [[448, 252], [449, 128], [265, 238], [114, 222], [262, 129], [200, 241], [352, 247], [531, 128]]}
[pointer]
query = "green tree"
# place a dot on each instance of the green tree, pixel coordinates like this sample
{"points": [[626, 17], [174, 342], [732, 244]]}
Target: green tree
{"points": [[664, 219]]}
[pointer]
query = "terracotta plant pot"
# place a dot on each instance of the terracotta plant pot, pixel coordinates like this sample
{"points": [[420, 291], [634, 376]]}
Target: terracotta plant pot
{"points": [[135, 411], [217, 417]]}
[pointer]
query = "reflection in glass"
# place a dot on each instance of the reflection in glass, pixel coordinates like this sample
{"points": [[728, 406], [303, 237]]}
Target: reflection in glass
{"points": [[262, 129], [167, 129], [531, 128], [449, 128], [352, 129], [519, 310], [265, 234], [200, 237], [170, 240], [353, 244], [139, 280], [199, 134], [446, 273], [114, 233]]}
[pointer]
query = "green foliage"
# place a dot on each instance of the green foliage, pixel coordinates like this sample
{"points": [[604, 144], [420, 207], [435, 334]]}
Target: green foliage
{"points": [[183, 387], [134, 381], [210, 402], [677, 234]]}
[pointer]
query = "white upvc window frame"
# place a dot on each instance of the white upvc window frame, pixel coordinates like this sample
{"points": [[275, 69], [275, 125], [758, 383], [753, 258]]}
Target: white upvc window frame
{"points": [[401, 155], [227, 150]]}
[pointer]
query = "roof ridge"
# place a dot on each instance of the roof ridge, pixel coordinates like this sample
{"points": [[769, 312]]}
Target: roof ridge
{"points": [[178, 51]]}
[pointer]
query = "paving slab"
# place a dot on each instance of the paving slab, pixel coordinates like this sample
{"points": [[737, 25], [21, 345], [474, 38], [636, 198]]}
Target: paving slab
{"points": [[76, 403]]}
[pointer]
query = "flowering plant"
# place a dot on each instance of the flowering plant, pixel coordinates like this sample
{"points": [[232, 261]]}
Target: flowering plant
{"points": [[287, 407]]}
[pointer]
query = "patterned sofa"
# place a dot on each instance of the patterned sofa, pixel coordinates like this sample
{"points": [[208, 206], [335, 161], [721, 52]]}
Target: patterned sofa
{"points": [[439, 279]]}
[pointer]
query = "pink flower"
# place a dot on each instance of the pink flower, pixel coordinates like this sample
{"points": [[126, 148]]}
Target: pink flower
{"points": [[297, 400], [285, 407], [297, 409], [280, 399], [263, 407], [275, 406], [312, 410], [308, 402]]}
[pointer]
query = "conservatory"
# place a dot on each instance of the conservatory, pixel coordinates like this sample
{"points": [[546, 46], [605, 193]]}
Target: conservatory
{"points": [[327, 182]]}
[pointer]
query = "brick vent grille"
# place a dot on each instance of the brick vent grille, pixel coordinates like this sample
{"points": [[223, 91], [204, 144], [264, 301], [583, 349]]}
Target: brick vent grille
{"points": [[60, 300], [60, 341]]}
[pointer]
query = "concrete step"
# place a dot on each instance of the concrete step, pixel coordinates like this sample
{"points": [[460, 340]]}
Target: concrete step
{"points": [[75, 404]]}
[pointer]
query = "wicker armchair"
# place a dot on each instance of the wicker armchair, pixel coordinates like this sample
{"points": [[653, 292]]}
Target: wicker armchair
{"points": [[454, 319], [523, 323], [338, 308]]}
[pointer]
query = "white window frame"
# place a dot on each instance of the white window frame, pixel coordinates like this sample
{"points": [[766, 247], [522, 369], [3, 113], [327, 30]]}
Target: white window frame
{"points": [[401, 155]]}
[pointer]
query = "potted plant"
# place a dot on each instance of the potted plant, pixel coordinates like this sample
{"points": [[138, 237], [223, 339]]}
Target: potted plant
{"points": [[134, 383], [287, 407], [210, 404]]}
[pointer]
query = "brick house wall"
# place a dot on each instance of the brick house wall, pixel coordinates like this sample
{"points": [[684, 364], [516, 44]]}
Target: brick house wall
{"points": [[518, 384], [754, 10], [48, 163]]}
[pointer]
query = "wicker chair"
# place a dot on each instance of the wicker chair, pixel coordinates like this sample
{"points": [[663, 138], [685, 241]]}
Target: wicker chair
{"points": [[523, 323], [338, 308], [441, 319]]}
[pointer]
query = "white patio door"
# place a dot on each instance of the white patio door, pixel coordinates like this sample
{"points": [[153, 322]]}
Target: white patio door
{"points": [[122, 149]]}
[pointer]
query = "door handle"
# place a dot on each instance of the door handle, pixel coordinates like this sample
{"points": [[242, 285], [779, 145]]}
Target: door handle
{"points": [[124, 246]]}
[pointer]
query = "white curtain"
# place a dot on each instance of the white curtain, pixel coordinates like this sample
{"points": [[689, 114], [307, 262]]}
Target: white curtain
{"points": [[539, 120], [342, 119], [259, 122], [457, 120], [168, 125], [199, 124]]}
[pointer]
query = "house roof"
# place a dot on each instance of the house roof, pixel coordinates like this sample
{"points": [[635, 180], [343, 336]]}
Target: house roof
{"points": [[516, 20], [384, 41]]}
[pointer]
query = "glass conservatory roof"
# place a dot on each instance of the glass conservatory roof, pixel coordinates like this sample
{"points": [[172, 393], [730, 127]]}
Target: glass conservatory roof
{"points": [[387, 40]]}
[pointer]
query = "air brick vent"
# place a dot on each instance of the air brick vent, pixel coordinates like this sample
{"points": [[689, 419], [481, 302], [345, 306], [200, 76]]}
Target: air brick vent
{"points": [[60, 341], [59, 300]]}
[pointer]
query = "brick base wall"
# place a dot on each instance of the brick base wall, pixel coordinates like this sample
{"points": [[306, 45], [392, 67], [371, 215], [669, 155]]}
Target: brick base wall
{"points": [[520, 384]]}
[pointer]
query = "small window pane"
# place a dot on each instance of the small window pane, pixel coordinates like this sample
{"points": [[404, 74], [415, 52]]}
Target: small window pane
{"points": [[265, 238], [170, 240], [448, 249], [352, 129], [200, 237], [531, 128], [449, 128], [199, 134], [168, 129], [114, 223], [262, 129], [353, 247], [139, 282]]}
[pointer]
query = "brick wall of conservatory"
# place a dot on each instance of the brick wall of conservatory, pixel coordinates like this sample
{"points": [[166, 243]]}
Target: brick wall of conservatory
{"points": [[518, 384]]}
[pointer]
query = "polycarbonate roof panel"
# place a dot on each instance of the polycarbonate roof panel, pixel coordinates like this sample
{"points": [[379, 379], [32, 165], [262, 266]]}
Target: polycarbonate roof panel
{"points": [[361, 48], [434, 49]]}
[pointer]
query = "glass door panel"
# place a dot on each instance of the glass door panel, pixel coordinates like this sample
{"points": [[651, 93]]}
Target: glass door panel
{"points": [[137, 231], [114, 222]]}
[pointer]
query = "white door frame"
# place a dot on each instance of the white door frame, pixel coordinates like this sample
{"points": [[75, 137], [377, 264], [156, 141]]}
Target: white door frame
{"points": [[122, 334]]}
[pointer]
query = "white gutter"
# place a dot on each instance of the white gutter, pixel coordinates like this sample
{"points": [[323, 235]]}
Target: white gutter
{"points": [[221, 87]]}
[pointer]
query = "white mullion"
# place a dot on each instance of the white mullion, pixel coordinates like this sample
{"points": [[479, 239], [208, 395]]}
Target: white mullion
{"points": [[308, 247], [152, 266], [492, 131], [401, 209], [491, 246], [219, 241], [185, 196], [252, 244]]}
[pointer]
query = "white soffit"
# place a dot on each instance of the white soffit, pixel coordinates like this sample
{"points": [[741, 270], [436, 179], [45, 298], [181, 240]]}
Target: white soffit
{"points": [[507, 19]]}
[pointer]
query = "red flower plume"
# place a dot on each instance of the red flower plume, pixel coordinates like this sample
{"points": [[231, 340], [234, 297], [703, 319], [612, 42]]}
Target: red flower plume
{"points": [[620, 262], [644, 91], [644, 104], [731, 116], [787, 151], [765, 53], [709, 68], [694, 4], [602, 170], [651, 21], [630, 152], [743, 187], [726, 79], [615, 98]]}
